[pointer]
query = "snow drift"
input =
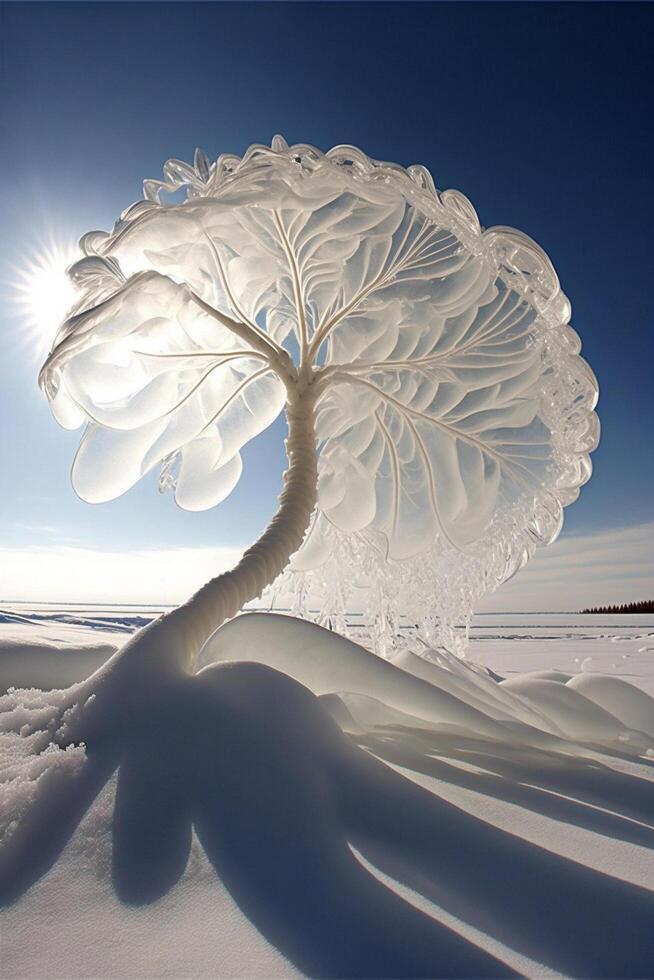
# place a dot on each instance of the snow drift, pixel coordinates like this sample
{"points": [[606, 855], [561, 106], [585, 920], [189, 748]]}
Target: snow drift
{"points": [[354, 811]]}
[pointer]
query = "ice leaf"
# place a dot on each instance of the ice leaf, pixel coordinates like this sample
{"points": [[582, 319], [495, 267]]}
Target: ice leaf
{"points": [[203, 479], [444, 407], [154, 374]]}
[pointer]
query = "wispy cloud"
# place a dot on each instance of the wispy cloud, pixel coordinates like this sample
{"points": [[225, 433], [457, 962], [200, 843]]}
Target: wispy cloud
{"points": [[72, 574], [34, 527], [578, 571]]}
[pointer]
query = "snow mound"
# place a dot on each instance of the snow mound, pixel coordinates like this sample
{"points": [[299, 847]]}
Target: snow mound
{"points": [[533, 710], [630, 705], [49, 665]]}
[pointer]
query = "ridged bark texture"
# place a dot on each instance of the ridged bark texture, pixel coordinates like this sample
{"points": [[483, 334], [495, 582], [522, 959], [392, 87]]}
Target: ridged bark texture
{"points": [[222, 597]]}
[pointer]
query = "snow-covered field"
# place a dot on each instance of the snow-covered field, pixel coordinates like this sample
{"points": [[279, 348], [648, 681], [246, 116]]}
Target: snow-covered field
{"points": [[415, 819]]}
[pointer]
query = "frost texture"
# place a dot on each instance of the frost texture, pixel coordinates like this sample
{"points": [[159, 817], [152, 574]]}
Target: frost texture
{"points": [[454, 416], [30, 763]]}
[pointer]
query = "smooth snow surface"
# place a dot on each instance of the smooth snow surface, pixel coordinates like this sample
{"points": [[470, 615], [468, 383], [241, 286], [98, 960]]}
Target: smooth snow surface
{"points": [[302, 807]]}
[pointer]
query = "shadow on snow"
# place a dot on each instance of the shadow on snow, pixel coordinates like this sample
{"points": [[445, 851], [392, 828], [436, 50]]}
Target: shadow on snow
{"points": [[279, 796]]}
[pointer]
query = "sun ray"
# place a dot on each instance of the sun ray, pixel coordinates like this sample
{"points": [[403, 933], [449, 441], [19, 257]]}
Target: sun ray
{"points": [[42, 294]]}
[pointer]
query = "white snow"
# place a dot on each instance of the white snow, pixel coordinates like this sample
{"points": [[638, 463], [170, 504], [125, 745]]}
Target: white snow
{"points": [[415, 818]]}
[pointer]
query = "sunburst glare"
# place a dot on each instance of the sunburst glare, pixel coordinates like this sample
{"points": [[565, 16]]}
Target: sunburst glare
{"points": [[43, 294]]}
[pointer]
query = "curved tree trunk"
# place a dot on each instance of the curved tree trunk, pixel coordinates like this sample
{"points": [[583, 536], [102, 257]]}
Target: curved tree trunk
{"points": [[222, 597], [166, 648]]}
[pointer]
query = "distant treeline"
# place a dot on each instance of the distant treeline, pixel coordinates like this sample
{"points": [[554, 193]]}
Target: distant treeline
{"points": [[647, 606]]}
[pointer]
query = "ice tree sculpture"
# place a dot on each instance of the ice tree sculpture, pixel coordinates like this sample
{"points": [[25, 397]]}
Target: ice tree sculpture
{"points": [[439, 416]]}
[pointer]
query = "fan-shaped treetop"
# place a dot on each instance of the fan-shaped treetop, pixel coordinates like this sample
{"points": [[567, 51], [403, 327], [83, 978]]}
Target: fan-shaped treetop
{"points": [[430, 361]]}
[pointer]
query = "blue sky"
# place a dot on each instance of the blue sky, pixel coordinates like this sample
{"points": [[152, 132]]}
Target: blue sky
{"points": [[540, 113]]}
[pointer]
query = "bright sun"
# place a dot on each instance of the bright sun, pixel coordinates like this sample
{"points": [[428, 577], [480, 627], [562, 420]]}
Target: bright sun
{"points": [[44, 293]]}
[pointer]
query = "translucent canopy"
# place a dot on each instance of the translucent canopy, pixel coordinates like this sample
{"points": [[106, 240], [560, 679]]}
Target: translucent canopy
{"points": [[456, 416]]}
